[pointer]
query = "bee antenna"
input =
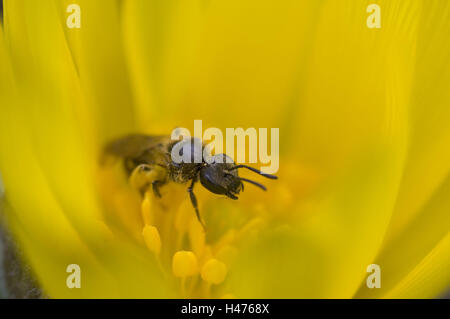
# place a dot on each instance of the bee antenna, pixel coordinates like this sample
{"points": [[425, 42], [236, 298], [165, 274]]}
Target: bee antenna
{"points": [[254, 170], [254, 183]]}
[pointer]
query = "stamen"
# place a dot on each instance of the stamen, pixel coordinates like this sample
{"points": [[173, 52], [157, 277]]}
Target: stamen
{"points": [[152, 239], [146, 209], [197, 237], [226, 254], [251, 227], [214, 271], [184, 264]]}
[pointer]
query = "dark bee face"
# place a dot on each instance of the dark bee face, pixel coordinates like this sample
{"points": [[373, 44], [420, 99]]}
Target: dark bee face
{"points": [[219, 179]]}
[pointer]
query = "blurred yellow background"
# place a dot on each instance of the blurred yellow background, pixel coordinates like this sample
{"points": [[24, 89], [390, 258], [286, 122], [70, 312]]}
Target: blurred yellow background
{"points": [[364, 133]]}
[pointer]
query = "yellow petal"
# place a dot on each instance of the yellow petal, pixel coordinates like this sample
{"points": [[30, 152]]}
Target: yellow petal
{"points": [[212, 60], [410, 247], [429, 278], [428, 162], [97, 52]]}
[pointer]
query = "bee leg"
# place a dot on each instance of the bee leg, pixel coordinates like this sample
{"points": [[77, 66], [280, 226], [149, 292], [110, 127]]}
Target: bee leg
{"points": [[194, 202], [145, 175], [232, 196], [155, 187]]}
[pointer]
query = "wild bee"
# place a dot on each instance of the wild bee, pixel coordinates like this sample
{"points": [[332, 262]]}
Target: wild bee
{"points": [[148, 163]]}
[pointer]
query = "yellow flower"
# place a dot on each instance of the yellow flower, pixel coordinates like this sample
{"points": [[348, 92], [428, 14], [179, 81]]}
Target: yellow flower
{"points": [[364, 134]]}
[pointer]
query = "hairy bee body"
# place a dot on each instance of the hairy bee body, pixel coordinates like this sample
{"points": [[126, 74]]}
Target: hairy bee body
{"points": [[154, 151], [148, 162]]}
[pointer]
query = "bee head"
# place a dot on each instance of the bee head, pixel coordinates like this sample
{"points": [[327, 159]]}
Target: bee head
{"points": [[221, 176]]}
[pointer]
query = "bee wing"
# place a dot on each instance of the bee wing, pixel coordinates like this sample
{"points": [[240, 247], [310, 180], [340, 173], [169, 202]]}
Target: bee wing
{"points": [[134, 145]]}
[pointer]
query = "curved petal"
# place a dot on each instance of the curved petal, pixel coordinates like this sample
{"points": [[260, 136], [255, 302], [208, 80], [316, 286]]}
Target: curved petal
{"points": [[430, 277], [98, 55], [48, 154], [408, 248], [45, 107], [229, 63], [357, 102], [428, 161], [420, 219]]}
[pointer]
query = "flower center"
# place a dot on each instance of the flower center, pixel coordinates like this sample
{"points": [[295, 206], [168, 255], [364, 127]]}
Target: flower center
{"points": [[196, 267]]}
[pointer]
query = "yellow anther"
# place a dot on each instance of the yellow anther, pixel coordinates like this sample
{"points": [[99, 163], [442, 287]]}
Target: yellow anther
{"points": [[184, 264], [214, 271], [152, 239], [146, 208]]}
